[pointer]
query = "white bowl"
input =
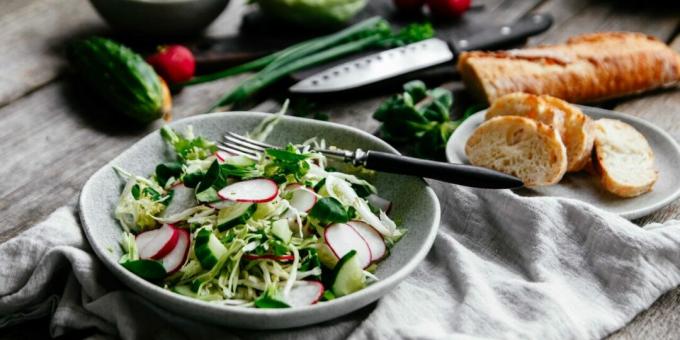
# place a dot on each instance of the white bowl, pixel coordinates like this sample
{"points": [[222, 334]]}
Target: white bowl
{"points": [[414, 205], [159, 18]]}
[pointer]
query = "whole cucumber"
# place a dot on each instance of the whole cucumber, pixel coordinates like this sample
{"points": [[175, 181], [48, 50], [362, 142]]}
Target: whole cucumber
{"points": [[121, 77]]}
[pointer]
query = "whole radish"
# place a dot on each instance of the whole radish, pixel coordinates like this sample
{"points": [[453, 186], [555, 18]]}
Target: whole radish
{"points": [[174, 63], [409, 5], [448, 8]]}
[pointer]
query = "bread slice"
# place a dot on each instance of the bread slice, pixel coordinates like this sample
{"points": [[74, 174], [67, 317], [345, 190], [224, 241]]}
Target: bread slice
{"points": [[572, 125], [623, 158], [577, 134], [519, 146]]}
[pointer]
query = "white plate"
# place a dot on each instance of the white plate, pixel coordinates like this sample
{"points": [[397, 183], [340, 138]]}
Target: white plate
{"points": [[585, 187]]}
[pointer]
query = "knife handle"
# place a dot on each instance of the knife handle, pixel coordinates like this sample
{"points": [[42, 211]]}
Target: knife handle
{"points": [[467, 175], [506, 35]]}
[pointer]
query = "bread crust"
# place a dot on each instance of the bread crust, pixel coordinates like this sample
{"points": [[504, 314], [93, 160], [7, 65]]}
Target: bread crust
{"points": [[571, 123], [623, 159], [587, 68], [519, 146]]}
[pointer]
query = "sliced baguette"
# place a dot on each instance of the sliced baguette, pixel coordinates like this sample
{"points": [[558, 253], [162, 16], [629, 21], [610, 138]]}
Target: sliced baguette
{"points": [[623, 158], [572, 125], [577, 133], [519, 146]]}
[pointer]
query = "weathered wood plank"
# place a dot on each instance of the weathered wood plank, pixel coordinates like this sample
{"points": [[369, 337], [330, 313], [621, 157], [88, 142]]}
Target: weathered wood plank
{"points": [[583, 16], [660, 321], [34, 33]]}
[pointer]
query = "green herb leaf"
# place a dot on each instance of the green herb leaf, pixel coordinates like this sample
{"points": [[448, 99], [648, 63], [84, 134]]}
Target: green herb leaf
{"points": [[135, 191], [165, 171], [329, 210]]}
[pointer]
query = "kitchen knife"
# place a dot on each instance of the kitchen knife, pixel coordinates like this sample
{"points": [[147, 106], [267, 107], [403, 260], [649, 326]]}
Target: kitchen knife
{"points": [[417, 56]]}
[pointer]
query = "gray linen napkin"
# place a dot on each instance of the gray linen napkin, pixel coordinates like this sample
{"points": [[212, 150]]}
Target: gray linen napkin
{"points": [[502, 266]]}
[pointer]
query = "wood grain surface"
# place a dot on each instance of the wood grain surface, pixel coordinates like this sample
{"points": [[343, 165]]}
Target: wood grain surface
{"points": [[53, 136]]}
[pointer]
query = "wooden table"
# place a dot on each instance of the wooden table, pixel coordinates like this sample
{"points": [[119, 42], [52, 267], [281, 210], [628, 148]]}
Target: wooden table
{"points": [[52, 138]]}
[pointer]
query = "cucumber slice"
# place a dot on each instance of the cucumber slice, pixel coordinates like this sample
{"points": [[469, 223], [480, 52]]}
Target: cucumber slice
{"points": [[208, 248], [146, 269], [208, 195], [186, 291], [348, 276], [238, 160], [281, 230], [234, 215]]}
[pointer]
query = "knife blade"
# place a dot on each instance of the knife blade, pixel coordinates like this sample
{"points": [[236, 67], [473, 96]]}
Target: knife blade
{"points": [[417, 56]]}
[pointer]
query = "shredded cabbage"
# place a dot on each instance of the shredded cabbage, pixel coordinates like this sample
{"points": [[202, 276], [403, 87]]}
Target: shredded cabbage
{"points": [[257, 267]]}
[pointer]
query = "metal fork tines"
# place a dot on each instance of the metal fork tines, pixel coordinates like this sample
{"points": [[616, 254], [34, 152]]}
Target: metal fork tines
{"points": [[235, 143]]}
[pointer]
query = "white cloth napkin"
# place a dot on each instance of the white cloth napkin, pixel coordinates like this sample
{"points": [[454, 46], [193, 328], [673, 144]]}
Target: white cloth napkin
{"points": [[502, 266]]}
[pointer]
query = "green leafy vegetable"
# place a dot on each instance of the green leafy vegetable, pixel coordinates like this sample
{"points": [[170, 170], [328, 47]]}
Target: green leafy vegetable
{"points": [[312, 13], [187, 146], [271, 298], [165, 171], [420, 117], [288, 162], [370, 33], [329, 210]]}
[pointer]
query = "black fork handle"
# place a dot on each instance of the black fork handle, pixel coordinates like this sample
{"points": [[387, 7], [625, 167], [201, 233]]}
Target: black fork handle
{"points": [[461, 174]]}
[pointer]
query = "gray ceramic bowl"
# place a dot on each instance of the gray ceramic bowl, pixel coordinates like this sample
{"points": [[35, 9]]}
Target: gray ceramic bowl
{"points": [[414, 204], [159, 18]]}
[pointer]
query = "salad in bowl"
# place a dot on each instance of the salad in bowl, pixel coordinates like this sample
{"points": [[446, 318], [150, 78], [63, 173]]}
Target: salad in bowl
{"points": [[281, 230]]}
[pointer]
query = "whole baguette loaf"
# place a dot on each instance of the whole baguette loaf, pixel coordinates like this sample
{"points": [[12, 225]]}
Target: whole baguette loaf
{"points": [[586, 68]]}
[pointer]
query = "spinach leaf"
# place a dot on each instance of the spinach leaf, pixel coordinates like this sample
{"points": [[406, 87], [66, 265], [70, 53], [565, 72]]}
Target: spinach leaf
{"points": [[136, 191], [418, 117], [329, 210], [165, 171]]}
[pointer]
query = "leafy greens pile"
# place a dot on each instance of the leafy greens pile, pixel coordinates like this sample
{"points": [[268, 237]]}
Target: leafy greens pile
{"points": [[421, 117]]}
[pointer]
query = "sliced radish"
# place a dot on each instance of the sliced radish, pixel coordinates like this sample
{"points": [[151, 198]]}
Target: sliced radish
{"points": [[222, 155], [254, 191], [373, 239], [379, 202], [341, 238], [164, 241], [182, 198], [282, 258], [174, 260], [305, 293], [142, 239], [303, 198]]}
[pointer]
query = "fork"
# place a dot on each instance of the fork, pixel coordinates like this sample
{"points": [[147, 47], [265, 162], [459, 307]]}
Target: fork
{"points": [[461, 174]]}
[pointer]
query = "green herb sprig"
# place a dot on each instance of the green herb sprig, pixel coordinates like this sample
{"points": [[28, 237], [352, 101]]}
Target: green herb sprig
{"points": [[421, 117]]}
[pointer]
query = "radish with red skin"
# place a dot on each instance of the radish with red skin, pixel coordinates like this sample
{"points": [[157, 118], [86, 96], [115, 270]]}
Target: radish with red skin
{"points": [[175, 259], [159, 246], [379, 203], [305, 293], [259, 190], [341, 238], [373, 239], [142, 239], [174, 63], [222, 155], [409, 5], [448, 8], [282, 258], [303, 198]]}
